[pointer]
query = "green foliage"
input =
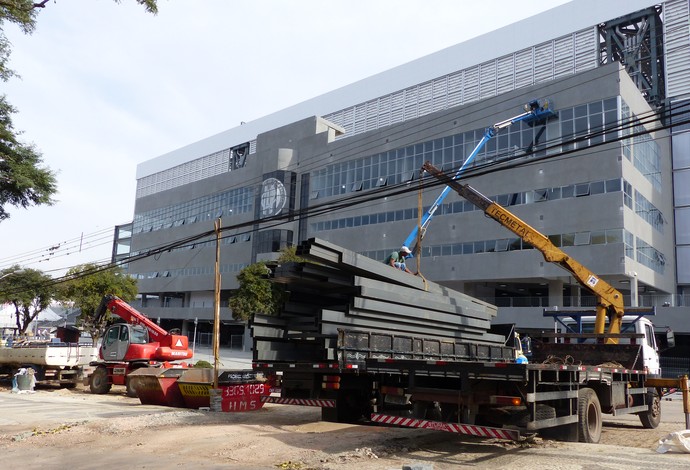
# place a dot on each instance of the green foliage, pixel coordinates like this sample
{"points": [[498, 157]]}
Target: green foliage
{"points": [[257, 294], [24, 181], [203, 365], [89, 285], [30, 292]]}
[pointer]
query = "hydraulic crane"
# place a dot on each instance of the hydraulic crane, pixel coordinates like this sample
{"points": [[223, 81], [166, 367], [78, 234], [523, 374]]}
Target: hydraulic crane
{"points": [[609, 300], [139, 342]]}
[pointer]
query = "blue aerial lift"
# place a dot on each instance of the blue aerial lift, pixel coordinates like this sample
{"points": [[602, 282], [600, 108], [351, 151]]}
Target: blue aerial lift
{"points": [[536, 112]]}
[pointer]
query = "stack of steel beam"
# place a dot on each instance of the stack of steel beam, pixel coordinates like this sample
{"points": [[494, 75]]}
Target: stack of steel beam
{"points": [[338, 289]]}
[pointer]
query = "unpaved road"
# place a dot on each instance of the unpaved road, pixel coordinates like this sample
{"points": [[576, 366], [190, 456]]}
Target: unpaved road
{"points": [[72, 429]]}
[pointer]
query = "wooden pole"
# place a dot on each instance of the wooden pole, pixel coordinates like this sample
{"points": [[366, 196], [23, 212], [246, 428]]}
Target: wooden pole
{"points": [[216, 306]]}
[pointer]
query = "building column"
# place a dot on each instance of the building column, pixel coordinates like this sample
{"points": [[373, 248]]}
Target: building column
{"points": [[556, 293], [633, 288]]}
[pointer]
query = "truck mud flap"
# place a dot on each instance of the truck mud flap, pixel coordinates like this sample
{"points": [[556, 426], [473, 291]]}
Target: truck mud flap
{"points": [[468, 429], [299, 401]]}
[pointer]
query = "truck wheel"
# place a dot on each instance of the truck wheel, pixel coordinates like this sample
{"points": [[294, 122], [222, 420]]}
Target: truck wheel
{"points": [[589, 416], [98, 383], [651, 418]]}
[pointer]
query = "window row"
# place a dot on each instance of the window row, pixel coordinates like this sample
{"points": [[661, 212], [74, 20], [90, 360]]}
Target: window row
{"points": [[588, 124], [191, 271], [598, 237], [641, 148], [456, 207], [226, 204], [649, 212]]}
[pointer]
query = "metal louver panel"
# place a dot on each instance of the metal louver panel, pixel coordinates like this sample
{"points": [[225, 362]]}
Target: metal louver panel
{"points": [[348, 120], [385, 110], [440, 93], [471, 84], [487, 79], [360, 118], [524, 64], [372, 115], [543, 62], [455, 88], [425, 95], [397, 106], [564, 57], [505, 74], [677, 47], [586, 49]]}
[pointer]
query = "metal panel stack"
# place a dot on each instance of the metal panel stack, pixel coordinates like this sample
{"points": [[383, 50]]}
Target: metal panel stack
{"points": [[342, 290]]}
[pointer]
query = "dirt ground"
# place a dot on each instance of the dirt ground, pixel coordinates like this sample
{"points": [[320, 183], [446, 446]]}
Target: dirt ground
{"points": [[127, 433]]}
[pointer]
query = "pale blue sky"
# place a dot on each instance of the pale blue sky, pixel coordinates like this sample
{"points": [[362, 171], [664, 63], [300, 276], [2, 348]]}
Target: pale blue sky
{"points": [[106, 86]]}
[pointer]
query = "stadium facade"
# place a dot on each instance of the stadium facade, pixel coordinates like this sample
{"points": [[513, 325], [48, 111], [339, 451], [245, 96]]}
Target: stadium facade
{"points": [[607, 179]]}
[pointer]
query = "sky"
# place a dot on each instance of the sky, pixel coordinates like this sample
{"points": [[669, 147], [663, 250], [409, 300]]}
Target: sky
{"points": [[105, 86]]}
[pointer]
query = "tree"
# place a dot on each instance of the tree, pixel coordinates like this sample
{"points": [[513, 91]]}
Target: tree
{"points": [[256, 293], [24, 181], [30, 292], [89, 284]]}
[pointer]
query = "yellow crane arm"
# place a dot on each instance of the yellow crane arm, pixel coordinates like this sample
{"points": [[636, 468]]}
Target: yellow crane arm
{"points": [[609, 299]]}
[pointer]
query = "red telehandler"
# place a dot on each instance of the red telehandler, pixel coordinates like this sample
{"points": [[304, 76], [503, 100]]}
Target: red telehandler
{"points": [[128, 346]]}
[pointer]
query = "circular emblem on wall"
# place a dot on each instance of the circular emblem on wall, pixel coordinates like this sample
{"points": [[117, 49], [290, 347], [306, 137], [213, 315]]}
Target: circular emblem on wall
{"points": [[273, 197]]}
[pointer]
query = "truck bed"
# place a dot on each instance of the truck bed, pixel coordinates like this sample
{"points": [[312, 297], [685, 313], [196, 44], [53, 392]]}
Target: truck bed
{"points": [[48, 354]]}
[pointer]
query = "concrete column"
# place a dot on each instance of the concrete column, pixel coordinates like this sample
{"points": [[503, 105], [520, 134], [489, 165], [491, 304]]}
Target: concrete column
{"points": [[555, 293], [577, 295], [633, 289]]}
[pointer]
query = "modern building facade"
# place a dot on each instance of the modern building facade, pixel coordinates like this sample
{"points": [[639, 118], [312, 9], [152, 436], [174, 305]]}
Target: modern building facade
{"points": [[605, 179]]}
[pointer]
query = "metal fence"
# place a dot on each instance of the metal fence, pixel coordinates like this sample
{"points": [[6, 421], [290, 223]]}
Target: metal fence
{"points": [[672, 367]]}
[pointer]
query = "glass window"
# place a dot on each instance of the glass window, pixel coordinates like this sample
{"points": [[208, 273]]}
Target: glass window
{"points": [[683, 264], [502, 245], [683, 226], [582, 238], [567, 239], [596, 187], [555, 239], [598, 237], [582, 189], [681, 181], [613, 185], [614, 236]]}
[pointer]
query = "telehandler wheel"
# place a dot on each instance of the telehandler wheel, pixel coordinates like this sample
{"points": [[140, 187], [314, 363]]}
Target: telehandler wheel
{"points": [[588, 416], [98, 383], [651, 418]]}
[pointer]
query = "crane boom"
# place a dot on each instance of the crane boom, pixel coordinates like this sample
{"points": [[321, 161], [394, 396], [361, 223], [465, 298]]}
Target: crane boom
{"points": [[535, 111], [609, 299]]}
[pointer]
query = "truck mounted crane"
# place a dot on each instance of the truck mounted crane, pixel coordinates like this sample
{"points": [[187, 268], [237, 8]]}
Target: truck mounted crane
{"points": [[128, 346], [609, 299]]}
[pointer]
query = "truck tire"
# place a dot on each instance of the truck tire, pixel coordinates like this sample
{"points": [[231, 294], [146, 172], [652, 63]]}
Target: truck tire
{"points": [[651, 418], [589, 416], [98, 382]]}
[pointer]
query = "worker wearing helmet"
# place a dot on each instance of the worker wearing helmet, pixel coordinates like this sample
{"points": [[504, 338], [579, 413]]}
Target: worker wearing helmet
{"points": [[397, 259]]}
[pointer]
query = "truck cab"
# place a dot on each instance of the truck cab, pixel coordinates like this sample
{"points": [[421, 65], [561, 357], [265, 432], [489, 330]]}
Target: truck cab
{"points": [[632, 324]]}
